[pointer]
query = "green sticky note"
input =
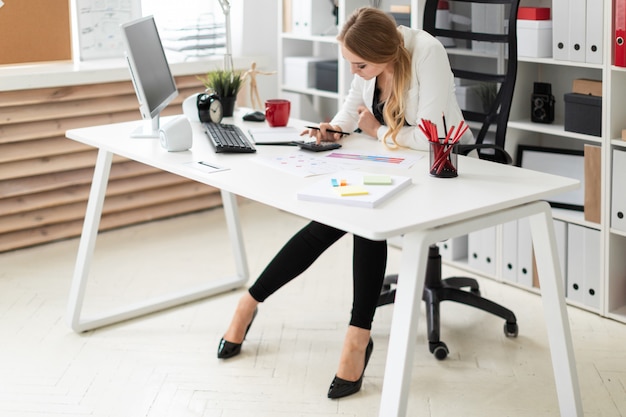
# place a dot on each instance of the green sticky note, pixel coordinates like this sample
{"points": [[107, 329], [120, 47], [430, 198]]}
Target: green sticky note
{"points": [[377, 180]]}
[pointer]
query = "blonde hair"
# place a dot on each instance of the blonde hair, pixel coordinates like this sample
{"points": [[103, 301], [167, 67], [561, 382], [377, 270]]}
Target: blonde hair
{"points": [[372, 35]]}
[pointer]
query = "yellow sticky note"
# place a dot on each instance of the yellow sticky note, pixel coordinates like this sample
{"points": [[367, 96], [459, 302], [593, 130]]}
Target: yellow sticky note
{"points": [[377, 180], [348, 190]]}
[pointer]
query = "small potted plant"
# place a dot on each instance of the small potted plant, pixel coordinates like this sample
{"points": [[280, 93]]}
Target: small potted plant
{"points": [[226, 84]]}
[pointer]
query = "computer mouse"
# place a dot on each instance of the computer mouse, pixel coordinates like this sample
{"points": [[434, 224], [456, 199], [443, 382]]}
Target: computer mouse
{"points": [[255, 116]]}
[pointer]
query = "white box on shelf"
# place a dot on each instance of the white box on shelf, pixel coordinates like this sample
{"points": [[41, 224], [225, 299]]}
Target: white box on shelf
{"points": [[299, 71], [534, 38], [468, 97]]}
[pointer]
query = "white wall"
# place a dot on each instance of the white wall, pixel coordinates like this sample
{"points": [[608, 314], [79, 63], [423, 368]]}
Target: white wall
{"points": [[254, 26]]}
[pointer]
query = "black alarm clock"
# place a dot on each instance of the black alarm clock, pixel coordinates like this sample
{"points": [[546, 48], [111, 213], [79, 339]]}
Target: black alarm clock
{"points": [[210, 109]]}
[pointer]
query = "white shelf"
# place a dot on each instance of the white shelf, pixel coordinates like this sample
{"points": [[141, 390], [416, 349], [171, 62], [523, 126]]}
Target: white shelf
{"points": [[311, 92], [554, 129], [319, 38], [551, 61]]}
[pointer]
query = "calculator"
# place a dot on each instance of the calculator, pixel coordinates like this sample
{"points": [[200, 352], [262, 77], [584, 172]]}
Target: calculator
{"points": [[319, 147]]}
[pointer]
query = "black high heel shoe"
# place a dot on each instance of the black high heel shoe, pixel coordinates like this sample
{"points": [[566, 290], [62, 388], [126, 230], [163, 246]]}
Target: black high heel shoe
{"points": [[228, 349], [342, 388]]}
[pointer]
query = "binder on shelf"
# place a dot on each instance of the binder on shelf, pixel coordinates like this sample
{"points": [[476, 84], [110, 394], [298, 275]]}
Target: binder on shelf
{"points": [[577, 33], [524, 253], [583, 265], [619, 27], [618, 196], [575, 263], [591, 285], [595, 29], [560, 29], [454, 249], [509, 251], [482, 250], [593, 194]]}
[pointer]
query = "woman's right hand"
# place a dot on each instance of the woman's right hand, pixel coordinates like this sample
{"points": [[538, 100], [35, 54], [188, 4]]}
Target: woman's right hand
{"points": [[322, 135]]}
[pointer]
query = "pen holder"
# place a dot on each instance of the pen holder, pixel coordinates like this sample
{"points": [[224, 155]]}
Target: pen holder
{"points": [[443, 159]]}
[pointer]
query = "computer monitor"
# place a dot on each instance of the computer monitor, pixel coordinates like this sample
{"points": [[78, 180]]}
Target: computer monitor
{"points": [[150, 73]]}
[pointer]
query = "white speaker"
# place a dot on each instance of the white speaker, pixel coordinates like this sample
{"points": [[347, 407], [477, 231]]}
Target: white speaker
{"points": [[190, 107], [176, 134]]}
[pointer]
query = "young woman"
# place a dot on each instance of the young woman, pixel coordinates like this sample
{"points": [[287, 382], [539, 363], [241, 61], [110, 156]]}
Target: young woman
{"points": [[401, 76]]}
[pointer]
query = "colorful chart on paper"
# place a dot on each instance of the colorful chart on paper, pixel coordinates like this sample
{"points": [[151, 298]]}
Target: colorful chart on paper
{"points": [[402, 161], [302, 164]]}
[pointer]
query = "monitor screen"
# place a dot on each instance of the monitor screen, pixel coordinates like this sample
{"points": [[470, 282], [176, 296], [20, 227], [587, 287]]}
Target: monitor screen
{"points": [[150, 72]]}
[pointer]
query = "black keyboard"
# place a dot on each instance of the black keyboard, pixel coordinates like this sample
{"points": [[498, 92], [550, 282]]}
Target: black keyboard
{"points": [[228, 138]]}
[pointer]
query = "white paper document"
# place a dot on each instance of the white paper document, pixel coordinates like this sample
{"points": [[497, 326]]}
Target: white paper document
{"points": [[275, 135]]}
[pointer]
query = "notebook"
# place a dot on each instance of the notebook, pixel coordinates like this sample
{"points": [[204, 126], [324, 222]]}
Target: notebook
{"points": [[355, 188]]}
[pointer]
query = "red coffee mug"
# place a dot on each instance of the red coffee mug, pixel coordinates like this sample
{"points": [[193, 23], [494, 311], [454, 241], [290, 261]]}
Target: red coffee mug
{"points": [[277, 112]]}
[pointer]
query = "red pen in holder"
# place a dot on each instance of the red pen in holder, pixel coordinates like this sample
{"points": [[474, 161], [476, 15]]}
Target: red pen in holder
{"points": [[443, 159]]}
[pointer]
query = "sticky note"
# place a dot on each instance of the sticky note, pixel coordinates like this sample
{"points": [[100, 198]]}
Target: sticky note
{"points": [[349, 190], [334, 182], [377, 180]]}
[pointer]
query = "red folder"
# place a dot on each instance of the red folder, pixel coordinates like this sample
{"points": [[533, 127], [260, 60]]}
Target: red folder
{"points": [[619, 44]]}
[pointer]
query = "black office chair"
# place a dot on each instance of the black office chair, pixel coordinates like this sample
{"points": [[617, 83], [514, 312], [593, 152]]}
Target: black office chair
{"points": [[499, 82]]}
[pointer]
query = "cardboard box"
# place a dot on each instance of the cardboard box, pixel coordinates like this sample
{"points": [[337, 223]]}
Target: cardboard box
{"points": [[583, 114], [587, 86], [533, 13], [534, 38], [326, 75], [299, 71]]}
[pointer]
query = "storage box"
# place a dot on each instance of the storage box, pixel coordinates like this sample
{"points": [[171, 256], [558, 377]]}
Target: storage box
{"points": [[586, 86], [583, 114], [533, 13], [326, 75], [468, 97], [534, 38], [299, 71], [402, 19]]}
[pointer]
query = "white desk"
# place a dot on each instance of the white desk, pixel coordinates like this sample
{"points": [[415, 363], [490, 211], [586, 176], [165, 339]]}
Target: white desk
{"points": [[429, 211]]}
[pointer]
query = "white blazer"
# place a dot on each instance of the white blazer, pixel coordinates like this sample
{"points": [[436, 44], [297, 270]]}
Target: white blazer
{"points": [[431, 93]]}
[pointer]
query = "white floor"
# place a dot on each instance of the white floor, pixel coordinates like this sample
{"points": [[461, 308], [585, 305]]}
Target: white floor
{"points": [[165, 364]]}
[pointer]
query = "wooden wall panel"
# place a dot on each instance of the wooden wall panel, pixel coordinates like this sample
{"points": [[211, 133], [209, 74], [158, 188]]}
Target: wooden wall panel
{"points": [[45, 178]]}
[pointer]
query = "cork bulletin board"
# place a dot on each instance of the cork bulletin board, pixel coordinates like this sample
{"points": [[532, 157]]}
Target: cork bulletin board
{"points": [[34, 31]]}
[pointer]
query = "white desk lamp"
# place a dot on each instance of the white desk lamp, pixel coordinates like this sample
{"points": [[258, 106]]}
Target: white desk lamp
{"points": [[228, 57]]}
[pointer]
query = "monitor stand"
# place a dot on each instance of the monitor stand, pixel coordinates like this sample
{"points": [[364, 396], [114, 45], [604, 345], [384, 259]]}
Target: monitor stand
{"points": [[147, 128]]}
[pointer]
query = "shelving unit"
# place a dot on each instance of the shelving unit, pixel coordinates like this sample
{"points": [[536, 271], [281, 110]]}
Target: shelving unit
{"points": [[308, 102], [560, 74]]}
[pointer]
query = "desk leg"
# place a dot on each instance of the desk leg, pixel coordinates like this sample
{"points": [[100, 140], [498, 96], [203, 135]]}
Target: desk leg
{"points": [[554, 306], [403, 334], [231, 211], [86, 249]]}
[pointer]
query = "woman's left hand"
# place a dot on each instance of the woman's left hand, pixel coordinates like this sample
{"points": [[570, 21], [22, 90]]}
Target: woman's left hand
{"points": [[367, 122]]}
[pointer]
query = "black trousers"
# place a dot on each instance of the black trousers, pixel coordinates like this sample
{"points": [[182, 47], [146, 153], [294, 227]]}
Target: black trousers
{"points": [[369, 261]]}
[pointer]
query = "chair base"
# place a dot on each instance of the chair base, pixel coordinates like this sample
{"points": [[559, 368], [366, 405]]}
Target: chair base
{"points": [[437, 290]]}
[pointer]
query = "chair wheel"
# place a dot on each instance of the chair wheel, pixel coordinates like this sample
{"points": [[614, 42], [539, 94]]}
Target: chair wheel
{"points": [[439, 349], [510, 329]]}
